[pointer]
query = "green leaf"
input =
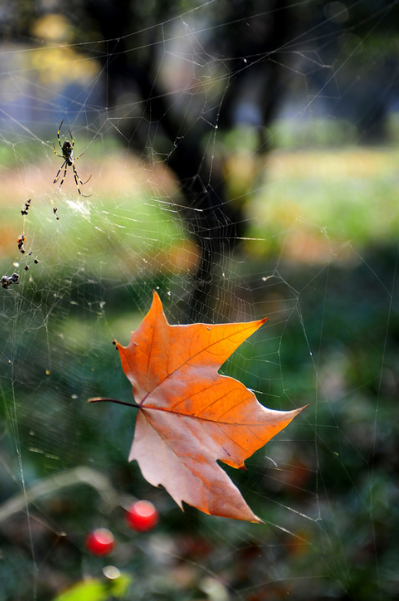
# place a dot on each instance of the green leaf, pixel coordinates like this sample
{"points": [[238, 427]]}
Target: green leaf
{"points": [[97, 589]]}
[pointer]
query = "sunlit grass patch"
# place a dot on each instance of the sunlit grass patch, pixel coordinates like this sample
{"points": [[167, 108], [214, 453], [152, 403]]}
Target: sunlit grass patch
{"points": [[311, 206], [119, 231], [324, 200]]}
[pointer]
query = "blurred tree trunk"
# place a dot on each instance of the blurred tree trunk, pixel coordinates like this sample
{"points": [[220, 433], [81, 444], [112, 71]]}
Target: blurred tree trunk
{"points": [[249, 44]]}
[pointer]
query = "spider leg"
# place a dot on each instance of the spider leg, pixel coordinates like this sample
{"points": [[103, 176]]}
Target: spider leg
{"points": [[58, 134], [58, 174], [58, 155], [83, 183], [72, 140], [77, 179], [77, 176]]}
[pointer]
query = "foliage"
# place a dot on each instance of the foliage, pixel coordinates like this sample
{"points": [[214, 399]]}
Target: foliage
{"points": [[97, 590]]}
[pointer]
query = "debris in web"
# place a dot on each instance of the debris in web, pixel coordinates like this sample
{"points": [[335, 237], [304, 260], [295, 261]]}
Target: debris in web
{"points": [[7, 281], [21, 240], [27, 206], [54, 209]]}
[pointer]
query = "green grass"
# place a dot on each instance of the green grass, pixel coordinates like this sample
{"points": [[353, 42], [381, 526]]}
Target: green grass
{"points": [[331, 198]]}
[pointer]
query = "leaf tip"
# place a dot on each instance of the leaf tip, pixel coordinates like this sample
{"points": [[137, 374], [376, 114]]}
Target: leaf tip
{"points": [[156, 298], [257, 520]]}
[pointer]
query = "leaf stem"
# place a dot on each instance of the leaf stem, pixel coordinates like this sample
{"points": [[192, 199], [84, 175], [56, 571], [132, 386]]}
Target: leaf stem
{"points": [[107, 400]]}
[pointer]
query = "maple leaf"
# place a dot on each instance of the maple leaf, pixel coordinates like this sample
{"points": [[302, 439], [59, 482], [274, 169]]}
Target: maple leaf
{"points": [[189, 415]]}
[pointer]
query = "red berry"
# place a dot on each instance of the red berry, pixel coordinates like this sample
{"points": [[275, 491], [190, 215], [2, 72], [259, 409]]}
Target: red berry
{"points": [[141, 516], [100, 541]]}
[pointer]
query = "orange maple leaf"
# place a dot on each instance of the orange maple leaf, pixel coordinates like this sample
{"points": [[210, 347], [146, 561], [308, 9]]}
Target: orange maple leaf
{"points": [[190, 416]]}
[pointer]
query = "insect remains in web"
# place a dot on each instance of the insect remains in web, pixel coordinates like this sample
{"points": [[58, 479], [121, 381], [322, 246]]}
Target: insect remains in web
{"points": [[8, 280], [26, 209], [55, 211], [20, 243], [69, 161]]}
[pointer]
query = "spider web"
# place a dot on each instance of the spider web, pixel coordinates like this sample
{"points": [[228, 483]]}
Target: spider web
{"points": [[317, 255]]}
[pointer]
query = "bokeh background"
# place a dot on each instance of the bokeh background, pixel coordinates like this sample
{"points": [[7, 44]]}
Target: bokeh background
{"points": [[243, 161]]}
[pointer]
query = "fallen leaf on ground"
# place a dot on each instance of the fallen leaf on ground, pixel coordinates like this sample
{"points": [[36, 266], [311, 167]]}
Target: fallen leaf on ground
{"points": [[189, 415]]}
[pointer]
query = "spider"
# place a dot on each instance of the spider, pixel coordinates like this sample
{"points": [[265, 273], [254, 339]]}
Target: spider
{"points": [[69, 161]]}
